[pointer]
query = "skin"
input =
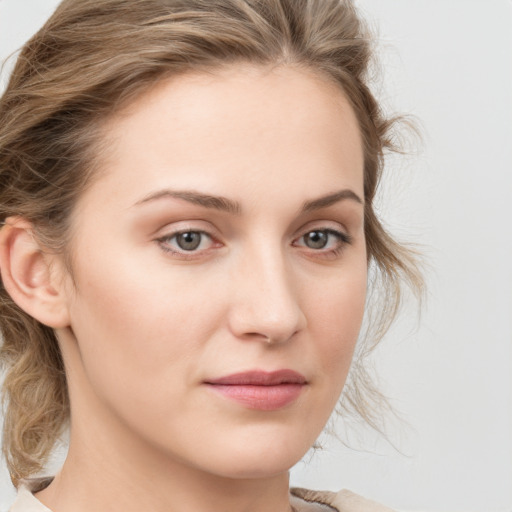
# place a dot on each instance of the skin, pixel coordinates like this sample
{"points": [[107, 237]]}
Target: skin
{"points": [[145, 323]]}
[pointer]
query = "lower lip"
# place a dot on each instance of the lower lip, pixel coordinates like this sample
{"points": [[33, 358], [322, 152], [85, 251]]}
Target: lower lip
{"points": [[263, 398]]}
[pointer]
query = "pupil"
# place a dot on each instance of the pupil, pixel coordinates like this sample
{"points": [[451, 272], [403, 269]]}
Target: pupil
{"points": [[316, 239], [189, 241]]}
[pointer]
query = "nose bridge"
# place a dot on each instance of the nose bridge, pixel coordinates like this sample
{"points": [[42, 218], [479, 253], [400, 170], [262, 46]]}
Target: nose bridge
{"points": [[266, 302]]}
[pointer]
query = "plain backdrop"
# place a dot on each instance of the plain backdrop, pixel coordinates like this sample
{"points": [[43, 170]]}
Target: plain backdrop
{"points": [[448, 374]]}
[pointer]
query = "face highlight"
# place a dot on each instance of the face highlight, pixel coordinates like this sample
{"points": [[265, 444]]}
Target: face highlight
{"points": [[219, 272]]}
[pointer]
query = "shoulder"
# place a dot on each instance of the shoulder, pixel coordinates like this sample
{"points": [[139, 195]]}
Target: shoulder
{"points": [[303, 500], [343, 501], [25, 500]]}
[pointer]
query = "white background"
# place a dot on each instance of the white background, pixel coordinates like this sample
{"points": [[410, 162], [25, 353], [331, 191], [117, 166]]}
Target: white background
{"points": [[448, 62]]}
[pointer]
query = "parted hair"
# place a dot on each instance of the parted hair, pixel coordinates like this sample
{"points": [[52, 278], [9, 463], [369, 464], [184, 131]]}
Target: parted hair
{"points": [[91, 57]]}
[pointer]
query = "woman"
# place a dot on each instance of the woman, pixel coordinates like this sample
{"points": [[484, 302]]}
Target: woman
{"points": [[186, 198]]}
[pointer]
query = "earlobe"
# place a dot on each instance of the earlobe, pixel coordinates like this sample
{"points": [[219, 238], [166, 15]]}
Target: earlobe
{"points": [[29, 275]]}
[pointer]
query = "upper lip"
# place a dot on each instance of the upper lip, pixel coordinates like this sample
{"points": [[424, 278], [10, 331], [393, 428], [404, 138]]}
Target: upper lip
{"points": [[260, 378]]}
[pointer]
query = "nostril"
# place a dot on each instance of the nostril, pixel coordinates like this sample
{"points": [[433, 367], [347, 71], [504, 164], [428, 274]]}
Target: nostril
{"points": [[269, 339], [256, 336]]}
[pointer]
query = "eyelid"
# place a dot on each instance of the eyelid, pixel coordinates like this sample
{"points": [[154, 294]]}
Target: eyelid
{"points": [[324, 225], [181, 226], [173, 230], [344, 239]]}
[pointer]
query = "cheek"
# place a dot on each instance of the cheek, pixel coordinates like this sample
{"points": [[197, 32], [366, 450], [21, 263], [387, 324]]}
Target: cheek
{"points": [[137, 327], [337, 316]]}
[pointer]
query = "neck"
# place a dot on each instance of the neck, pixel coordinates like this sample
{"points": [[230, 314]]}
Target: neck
{"points": [[72, 489], [115, 473]]}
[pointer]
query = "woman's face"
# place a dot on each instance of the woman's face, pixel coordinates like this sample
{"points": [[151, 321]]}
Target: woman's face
{"points": [[219, 271]]}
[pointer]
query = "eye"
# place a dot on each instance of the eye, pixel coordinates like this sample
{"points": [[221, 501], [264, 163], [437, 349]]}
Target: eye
{"points": [[316, 239], [189, 241], [186, 242], [325, 240]]}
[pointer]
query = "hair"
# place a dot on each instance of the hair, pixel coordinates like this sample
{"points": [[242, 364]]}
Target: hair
{"points": [[91, 57]]}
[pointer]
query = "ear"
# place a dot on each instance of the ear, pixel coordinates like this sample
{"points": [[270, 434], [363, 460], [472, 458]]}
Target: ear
{"points": [[32, 277]]}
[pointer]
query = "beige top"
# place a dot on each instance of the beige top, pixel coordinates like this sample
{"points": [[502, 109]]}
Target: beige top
{"points": [[302, 500]]}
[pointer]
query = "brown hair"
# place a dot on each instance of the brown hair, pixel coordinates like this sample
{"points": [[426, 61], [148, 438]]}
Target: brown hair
{"points": [[87, 60]]}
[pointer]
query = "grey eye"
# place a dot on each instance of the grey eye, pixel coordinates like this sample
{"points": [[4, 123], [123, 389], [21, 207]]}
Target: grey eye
{"points": [[189, 241], [316, 239]]}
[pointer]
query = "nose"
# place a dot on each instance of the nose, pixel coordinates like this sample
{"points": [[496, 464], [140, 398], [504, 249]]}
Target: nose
{"points": [[265, 305]]}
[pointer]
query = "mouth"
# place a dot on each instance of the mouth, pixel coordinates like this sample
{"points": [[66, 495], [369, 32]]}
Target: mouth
{"points": [[260, 390]]}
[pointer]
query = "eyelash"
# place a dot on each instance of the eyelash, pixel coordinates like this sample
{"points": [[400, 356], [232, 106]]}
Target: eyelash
{"points": [[164, 243], [343, 239]]}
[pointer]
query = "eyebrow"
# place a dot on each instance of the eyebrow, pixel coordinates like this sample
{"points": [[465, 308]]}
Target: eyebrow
{"points": [[205, 200], [329, 200], [229, 206]]}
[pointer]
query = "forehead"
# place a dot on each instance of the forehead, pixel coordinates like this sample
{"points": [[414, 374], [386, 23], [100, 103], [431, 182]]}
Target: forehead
{"points": [[238, 123]]}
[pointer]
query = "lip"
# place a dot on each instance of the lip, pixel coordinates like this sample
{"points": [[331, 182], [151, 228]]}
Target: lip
{"points": [[261, 390]]}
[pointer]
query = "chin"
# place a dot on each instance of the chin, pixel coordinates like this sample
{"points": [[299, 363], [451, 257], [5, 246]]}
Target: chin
{"points": [[255, 467], [262, 457]]}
